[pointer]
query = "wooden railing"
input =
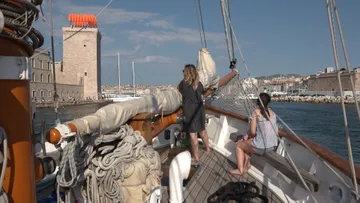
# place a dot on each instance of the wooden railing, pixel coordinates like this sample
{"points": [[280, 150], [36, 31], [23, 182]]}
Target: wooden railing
{"points": [[331, 157]]}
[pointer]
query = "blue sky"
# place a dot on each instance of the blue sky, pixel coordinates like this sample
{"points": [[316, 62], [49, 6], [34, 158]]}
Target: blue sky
{"points": [[161, 36]]}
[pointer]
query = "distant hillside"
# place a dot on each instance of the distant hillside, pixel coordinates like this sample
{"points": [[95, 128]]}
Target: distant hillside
{"points": [[277, 75]]}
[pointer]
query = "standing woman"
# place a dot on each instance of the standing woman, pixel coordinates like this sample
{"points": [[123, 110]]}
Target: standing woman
{"points": [[193, 108]]}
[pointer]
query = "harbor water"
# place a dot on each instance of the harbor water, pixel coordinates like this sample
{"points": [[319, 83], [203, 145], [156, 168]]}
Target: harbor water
{"points": [[321, 123]]}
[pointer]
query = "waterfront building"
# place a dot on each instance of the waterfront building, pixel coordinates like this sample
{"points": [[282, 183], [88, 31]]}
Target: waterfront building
{"points": [[42, 85], [78, 76], [329, 81]]}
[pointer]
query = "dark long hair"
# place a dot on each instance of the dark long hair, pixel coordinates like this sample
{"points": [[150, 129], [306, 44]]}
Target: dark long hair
{"points": [[265, 98]]}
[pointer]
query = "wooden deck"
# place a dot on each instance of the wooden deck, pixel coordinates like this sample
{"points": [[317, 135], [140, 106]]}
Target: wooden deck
{"points": [[212, 174]]}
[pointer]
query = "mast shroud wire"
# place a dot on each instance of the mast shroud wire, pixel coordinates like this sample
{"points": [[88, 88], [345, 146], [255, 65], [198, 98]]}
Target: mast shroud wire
{"points": [[336, 59], [201, 24], [333, 3], [237, 43], [325, 163]]}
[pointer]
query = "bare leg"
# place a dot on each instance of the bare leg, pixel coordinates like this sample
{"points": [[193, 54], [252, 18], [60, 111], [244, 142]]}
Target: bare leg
{"points": [[247, 163], [205, 138], [240, 158], [195, 145], [242, 148]]}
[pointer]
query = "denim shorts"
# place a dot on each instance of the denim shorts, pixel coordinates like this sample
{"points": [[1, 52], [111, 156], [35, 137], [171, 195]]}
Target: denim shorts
{"points": [[260, 151]]}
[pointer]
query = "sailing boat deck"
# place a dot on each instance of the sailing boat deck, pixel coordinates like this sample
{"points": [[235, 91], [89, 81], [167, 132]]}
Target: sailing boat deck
{"points": [[212, 174]]}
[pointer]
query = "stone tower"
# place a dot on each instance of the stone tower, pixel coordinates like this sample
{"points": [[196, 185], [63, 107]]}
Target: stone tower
{"points": [[82, 55]]}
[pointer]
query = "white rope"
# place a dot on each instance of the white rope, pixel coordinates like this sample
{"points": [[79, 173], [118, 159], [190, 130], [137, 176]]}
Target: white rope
{"points": [[3, 139], [85, 26], [105, 160]]}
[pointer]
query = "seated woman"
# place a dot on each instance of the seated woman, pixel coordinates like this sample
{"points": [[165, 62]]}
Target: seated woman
{"points": [[193, 109], [262, 137]]}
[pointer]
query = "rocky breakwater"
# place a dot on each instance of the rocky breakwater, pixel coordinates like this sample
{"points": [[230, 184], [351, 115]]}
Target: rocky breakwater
{"points": [[315, 99]]}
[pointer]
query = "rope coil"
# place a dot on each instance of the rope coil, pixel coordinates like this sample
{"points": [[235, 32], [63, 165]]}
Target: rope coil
{"points": [[104, 160], [19, 18]]}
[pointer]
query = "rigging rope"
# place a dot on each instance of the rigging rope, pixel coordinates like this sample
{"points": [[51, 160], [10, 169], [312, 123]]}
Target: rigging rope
{"points": [[237, 42], [231, 33], [336, 59], [56, 96], [230, 24], [201, 24], [106, 159], [225, 29], [20, 17]]}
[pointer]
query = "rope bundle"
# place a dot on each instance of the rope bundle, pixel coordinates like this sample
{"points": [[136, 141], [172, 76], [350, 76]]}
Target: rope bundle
{"points": [[19, 17], [104, 160]]}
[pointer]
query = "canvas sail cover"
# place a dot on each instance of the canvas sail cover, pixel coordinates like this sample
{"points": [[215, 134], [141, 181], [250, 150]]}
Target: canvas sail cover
{"points": [[207, 70], [111, 117]]}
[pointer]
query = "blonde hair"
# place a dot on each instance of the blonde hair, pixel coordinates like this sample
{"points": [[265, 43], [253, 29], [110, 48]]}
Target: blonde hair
{"points": [[191, 76]]}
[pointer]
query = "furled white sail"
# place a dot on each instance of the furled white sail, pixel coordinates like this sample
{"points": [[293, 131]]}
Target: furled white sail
{"points": [[207, 70], [112, 116]]}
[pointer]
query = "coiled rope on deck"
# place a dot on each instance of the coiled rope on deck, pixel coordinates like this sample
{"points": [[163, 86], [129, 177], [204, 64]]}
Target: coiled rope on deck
{"points": [[19, 17], [102, 161]]}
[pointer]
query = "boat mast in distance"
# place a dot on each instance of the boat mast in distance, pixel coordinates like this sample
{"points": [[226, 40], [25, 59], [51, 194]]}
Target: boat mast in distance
{"points": [[133, 77], [118, 67]]}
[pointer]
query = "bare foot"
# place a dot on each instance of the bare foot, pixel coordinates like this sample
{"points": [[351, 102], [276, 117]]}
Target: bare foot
{"points": [[236, 172], [207, 149]]}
